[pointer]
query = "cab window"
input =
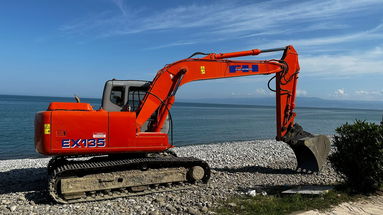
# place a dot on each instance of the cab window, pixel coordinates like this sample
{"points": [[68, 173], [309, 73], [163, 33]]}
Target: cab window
{"points": [[135, 96], [117, 95]]}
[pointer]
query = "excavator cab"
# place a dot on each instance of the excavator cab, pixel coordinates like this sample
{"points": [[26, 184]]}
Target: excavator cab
{"points": [[127, 95], [123, 95]]}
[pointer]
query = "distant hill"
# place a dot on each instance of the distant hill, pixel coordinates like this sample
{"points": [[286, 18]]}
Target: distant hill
{"points": [[311, 102]]}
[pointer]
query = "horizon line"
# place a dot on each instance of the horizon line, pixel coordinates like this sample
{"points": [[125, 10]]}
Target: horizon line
{"points": [[231, 104]]}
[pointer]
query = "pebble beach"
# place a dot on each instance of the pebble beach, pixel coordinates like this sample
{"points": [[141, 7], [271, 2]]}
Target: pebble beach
{"points": [[238, 168]]}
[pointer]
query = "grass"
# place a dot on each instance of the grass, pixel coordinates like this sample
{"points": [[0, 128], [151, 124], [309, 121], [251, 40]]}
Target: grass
{"points": [[282, 204]]}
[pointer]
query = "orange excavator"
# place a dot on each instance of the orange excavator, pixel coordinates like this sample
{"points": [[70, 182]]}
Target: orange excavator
{"points": [[122, 149]]}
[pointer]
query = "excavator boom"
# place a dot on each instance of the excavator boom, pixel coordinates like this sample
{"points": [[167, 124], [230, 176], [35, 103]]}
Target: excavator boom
{"points": [[213, 66]]}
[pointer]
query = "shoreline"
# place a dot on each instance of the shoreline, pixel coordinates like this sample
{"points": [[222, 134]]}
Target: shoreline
{"points": [[236, 168], [174, 148]]}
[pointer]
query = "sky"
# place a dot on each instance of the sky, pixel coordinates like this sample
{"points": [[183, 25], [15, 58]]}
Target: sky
{"points": [[63, 48]]}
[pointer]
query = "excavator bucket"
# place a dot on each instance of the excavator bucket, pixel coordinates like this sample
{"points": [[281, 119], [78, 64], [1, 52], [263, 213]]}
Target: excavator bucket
{"points": [[310, 150]]}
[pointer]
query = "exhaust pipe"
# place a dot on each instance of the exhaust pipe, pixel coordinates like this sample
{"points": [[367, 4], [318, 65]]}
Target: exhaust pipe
{"points": [[310, 150]]}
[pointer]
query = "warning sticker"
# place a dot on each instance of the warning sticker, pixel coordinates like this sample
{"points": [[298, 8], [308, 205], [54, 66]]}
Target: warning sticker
{"points": [[203, 71], [99, 135], [47, 128]]}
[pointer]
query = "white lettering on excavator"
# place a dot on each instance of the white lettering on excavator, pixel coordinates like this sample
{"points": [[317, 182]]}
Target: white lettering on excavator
{"points": [[83, 143]]}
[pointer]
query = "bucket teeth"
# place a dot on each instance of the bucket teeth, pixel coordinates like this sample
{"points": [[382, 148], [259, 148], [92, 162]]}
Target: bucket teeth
{"points": [[310, 150]]}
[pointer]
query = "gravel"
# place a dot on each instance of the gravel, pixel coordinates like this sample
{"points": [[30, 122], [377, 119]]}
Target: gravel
{"points": [[237, 169]]}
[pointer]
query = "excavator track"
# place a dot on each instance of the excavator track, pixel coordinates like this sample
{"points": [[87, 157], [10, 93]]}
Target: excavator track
{"points": [[72, 181]]}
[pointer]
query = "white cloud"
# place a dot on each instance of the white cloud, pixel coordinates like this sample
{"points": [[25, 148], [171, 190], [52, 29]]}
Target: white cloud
{"points": [[374, 33], [361, 92], [172, 45], [340, 92], [301, 92], [224, 17], [369, 93], [261, 91], [343, 65], [122, 6]]}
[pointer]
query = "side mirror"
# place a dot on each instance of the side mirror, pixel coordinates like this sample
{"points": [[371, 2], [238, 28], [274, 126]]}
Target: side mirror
{"points": [[77, 98]]}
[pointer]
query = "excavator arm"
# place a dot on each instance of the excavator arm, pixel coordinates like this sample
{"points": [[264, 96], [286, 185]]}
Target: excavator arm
{"points": [[311, 150]]}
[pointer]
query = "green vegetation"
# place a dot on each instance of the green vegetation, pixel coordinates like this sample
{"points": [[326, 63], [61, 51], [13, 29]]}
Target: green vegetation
{"points": [[358, 159], [359, 156], [277, 204]]}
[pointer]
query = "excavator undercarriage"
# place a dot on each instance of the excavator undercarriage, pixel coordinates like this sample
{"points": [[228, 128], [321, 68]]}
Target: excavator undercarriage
{"points": [[109, 177]]}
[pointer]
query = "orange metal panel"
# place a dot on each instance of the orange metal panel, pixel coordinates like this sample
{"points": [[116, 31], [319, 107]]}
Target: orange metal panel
{"points": [[93, 132], [69, 106], [153, 139], [43, 132], [286, 84], [122, 129], [76, 132]]}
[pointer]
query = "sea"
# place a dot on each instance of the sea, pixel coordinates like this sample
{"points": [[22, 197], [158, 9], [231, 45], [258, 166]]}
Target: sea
{"points": [[194, 123]]}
